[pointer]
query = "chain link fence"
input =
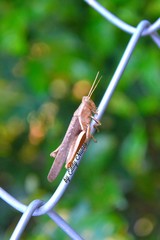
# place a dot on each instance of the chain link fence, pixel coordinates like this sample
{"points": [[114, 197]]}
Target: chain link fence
{"points": [[39, 207]]}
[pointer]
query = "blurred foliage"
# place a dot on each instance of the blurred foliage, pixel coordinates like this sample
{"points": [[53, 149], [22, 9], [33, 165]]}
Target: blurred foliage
{"points": [[50, 53]]}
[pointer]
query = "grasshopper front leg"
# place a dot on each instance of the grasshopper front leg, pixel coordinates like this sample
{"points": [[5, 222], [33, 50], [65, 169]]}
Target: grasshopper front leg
{"points": [[97, 123]]}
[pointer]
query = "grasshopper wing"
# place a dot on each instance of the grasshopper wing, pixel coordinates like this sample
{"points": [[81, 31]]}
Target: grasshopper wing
{"points": [[75, 147], [72, 142]]}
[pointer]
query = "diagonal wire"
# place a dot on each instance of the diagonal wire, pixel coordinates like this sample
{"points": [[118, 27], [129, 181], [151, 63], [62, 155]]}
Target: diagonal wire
{"points": [[64, 226], [12, 201], [121, 67]]}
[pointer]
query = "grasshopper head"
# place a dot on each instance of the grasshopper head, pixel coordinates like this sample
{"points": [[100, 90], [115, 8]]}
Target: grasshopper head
{"points": [[89, 103]]}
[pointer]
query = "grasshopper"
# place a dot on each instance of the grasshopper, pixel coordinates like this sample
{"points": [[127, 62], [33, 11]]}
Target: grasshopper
{"points": [[77, 134]]}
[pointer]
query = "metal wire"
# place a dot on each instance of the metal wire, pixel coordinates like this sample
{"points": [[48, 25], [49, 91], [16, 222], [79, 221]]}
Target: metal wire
{"points": [[38, 207], [64, 226], [121, 66], [25, 219], [124, 26]]}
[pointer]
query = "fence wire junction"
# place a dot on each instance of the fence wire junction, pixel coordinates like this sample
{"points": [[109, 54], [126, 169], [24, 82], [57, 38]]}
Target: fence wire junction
{"points": [[39, 207]]}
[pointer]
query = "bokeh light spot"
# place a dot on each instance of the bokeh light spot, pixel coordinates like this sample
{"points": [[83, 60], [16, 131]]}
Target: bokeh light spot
{"points": [[58, 88], [81, 88], [39, 49], [143, 227]]}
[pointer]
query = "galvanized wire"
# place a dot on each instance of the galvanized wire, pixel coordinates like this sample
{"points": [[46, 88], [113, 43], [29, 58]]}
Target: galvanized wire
{"points": [[38, 207]]}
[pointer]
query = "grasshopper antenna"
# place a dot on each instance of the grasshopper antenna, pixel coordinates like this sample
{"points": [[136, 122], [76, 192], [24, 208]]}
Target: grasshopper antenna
{"points": [[94, 85]]}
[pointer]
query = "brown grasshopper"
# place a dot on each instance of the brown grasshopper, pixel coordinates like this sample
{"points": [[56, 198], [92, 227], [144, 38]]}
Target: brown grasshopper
{"points": [[77, 134]]}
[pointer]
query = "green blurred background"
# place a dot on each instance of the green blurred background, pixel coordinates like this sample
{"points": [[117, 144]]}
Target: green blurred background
{"points": [[50, 53]]}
